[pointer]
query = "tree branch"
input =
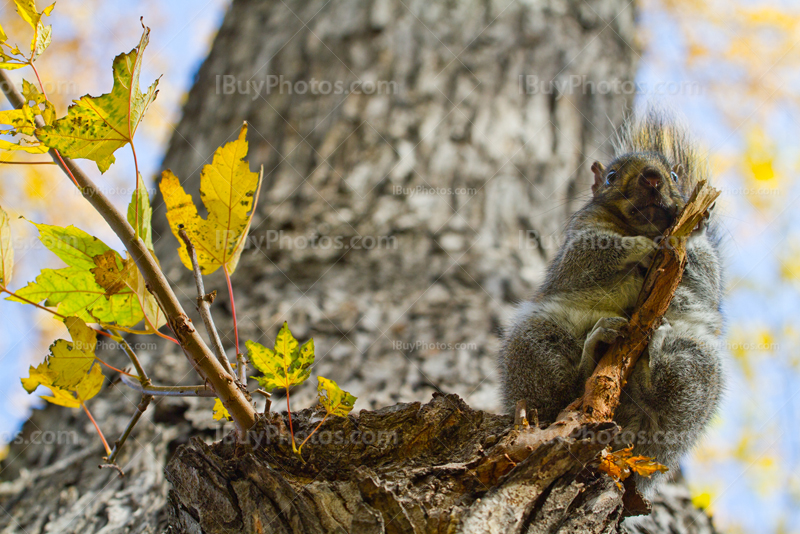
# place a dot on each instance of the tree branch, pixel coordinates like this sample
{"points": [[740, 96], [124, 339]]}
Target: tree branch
{"points": [[204, 304], [167, 391], [199, 354]]}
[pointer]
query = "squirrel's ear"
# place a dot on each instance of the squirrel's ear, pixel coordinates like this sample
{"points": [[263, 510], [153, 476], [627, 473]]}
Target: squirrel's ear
{"points": [[599, 176]]}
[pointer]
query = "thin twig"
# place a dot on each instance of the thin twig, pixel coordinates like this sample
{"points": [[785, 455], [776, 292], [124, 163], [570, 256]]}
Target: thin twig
{"points": [[168, 391], [113, 466], [134, 359], [143, 404], [202, 358], [203, 304], [241, 368], [267, 397]]}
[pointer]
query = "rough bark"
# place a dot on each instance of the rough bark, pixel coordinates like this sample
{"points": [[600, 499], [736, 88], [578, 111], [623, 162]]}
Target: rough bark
{"points": [[408, 468], [391, 323]]}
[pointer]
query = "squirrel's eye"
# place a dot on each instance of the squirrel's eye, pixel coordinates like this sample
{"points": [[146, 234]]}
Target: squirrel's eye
{"points": [[610, 177], [674, 177]]}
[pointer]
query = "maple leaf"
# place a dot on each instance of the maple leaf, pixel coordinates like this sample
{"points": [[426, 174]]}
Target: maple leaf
{"points": [[95, 127], [285, 366], [41, 33], [87, 388], [220, 412], [6, 250], [229, 191], [621, 464], [335, 400], [68, 362], [23, 121], [97, 286], [140, 214]]}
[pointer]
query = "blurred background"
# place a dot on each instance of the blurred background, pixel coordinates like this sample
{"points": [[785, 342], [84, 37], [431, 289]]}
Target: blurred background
{"points": [[732, 68]]}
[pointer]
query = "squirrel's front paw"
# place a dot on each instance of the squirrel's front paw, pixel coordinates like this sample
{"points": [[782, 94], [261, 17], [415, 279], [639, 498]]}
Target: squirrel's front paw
{"points": [[605, 330]]}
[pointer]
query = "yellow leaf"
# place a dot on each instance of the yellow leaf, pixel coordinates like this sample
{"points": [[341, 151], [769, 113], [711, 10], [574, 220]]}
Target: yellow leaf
{"points": [[335, 400], [6, 250], [88, 387], [68, 362], [220, 412], [95, 127], [41, 33], [229, 191], [285, 366]]}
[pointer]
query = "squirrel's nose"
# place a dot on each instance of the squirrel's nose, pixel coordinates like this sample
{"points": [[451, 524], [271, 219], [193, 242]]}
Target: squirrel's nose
{"points": [[650, 179]]}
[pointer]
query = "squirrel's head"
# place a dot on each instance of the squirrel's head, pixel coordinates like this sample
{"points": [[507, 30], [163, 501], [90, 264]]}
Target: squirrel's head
{"points": [[642, 189]]}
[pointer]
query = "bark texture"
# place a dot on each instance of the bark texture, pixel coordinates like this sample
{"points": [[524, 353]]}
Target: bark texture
{"points": [[397, 227]]}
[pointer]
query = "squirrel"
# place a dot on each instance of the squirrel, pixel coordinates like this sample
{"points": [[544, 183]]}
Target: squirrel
{"points": [[556, 339]]}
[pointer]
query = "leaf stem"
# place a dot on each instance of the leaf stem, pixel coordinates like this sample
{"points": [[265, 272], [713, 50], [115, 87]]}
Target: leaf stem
{"points": [[233, 308], [312, 433], [56, 152], [62, 317], [100, 432], [27, 162], [289, 413], [138, 199]]}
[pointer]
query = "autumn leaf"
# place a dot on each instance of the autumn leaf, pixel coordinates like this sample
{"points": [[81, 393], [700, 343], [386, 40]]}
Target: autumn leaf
{"points": [[68, 363], [98, 286], [41, 33], [74, 246], [23, 121], [140, 214], [87, 388], [95, 127], [6, 250], [335, 400], [228, 190], [220, 412], [285, 366], [621, 464]]}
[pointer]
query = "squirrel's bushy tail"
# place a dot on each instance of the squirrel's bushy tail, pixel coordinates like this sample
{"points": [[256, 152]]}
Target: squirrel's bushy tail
{"points": [[659, 131]]}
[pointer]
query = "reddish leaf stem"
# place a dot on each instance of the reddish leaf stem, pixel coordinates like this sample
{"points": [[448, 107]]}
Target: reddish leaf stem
{"points": [[100, 432]]}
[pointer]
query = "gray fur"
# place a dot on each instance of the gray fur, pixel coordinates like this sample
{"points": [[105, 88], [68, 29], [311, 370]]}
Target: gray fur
{"points": [[589, 291]]}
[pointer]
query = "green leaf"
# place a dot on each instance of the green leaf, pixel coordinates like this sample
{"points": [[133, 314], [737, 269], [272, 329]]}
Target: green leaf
{"points": [[286, 365], [95, 127], [140, 200], [229, 192], [6, 250], [75, 291], [335, 400], [98, 286], [220, 412], [74, 246]]}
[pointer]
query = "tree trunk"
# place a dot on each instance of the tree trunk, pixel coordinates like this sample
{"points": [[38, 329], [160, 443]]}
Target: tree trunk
{"points": [[399, 220]]}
